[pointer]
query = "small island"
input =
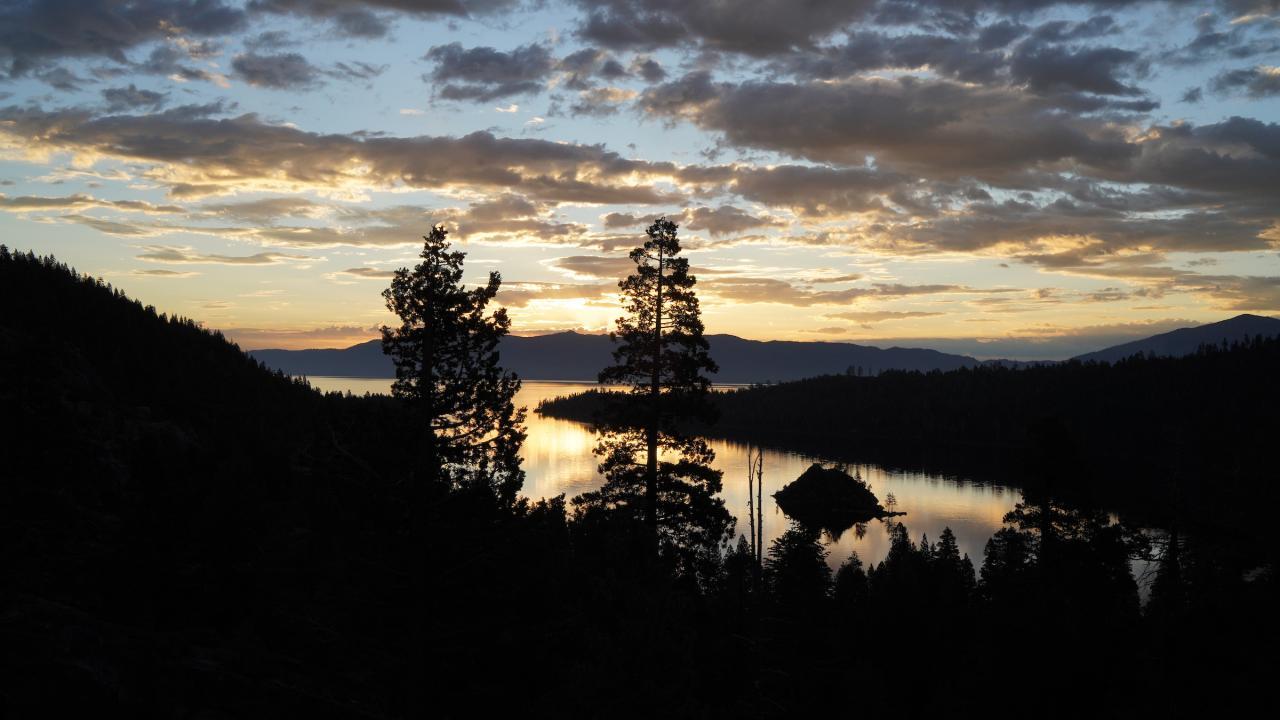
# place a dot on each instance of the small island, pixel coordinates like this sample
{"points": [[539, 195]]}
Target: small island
{"points": [[830, 499]]}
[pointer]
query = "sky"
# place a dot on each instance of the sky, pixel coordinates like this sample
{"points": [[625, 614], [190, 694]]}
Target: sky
{"points": [[1029, 179]]}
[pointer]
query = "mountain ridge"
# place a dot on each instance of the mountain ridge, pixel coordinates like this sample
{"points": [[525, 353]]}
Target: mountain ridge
{"points": [[1185, 341], [571, 355], [578, 356]]}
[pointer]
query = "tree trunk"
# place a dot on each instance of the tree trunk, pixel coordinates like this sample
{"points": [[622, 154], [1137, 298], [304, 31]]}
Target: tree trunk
{"points": [[655, 398]]}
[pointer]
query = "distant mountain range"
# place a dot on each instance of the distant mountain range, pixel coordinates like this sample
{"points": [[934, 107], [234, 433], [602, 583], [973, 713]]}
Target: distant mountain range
{"points": [[575, 356], [1184, 341]]}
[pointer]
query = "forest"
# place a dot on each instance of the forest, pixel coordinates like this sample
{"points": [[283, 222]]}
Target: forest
{"points": [[1178, 435], [185, 533]]}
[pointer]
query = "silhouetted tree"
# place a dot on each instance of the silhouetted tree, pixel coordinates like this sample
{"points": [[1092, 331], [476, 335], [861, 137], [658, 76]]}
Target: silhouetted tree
{"points": [[446, 357], [851, 584], [797, 571], [952, 573], [655, 473]]}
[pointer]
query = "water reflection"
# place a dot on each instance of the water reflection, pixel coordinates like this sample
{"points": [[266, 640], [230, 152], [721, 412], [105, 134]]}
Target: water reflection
{"points": [[558, 459]]}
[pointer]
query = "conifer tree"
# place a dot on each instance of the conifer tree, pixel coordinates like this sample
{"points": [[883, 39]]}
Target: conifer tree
{"points": [[447, 368], [655, 473]]}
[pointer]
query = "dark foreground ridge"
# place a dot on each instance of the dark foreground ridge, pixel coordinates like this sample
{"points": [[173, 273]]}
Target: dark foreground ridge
{"points": [[187, 534]]}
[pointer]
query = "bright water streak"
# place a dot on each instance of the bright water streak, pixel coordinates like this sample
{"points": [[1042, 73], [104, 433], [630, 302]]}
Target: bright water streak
{"points": [[558, 460]]}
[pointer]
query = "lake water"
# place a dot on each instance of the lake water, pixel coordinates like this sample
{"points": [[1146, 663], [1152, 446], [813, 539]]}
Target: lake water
{"points": [[558, 460]]}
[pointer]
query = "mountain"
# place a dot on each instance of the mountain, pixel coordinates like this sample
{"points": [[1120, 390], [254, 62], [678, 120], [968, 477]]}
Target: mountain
{"points": [[575, 356], [1185, 341]]}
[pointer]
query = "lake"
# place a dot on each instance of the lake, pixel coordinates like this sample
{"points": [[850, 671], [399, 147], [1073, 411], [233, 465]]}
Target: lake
{"points": [[558, 460]]}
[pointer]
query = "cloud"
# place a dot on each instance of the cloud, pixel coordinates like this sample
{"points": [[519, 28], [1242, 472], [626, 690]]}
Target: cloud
{"points": [[484, 74], [1049, 68], [521, 294], [356, 70], [183, 256], [648, 69], [871, 317], [37, 203], [265, 211], [36, 33], [766, 27], [365, 273], [772, 290], [1258, 82], [171, 61], [601, 101], [160, 273], [725, 220], [865, 50], [371, 18], [199, 154], [120, 99], [285, 71], [596, 266], [940, 128]]}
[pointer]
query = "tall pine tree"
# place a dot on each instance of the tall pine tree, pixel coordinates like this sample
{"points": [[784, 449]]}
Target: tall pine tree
{"points": [[655, 473], [446, 357]]}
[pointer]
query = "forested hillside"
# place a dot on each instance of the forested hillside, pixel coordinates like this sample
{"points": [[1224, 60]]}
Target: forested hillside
{"points": [[184, 533], [1204, 423]]}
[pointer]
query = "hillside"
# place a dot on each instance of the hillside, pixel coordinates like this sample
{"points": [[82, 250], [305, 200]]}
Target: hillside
{"points": [[1202, 420], [1185, 341], [575, 356]]}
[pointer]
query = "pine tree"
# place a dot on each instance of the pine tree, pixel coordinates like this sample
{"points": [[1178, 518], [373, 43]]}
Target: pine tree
{"points": [[446, 357], [654, 472]]}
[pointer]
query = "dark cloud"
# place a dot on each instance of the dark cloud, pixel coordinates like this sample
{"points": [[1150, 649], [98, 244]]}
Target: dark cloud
{"points": [[38, 32], [370, 18], [204, 153], [268, 40], [60, 78], [725, 220], [1256, 82], [773, 290], [36, 203], [286, 71], [121, 99], [483, 74], [600, 101], [649, 69], [867, 50], [582, 67], [937, 127], [1235, 42], [816, 190], [1052, 68], [597, 266], [171, 61], [999, 34], [867, 318], [759, 28], [356, 70], [367, 273], [1064, 31]]}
